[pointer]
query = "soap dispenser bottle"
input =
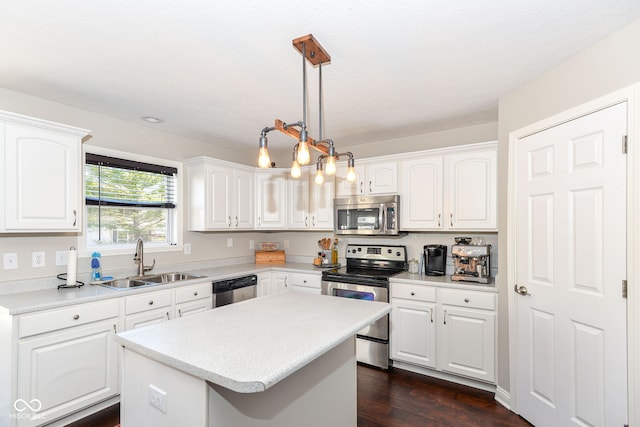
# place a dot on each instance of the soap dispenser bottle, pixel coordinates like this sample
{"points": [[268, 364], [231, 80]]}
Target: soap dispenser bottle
{"points": [[96, 268]]}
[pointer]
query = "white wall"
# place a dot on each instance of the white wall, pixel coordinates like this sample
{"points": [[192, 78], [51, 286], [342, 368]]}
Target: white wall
{"points": [[609, 65]]}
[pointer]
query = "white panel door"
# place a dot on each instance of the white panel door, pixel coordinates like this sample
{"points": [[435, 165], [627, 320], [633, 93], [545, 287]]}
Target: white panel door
{"points": [[321, 204], [413, 332], [219, 197], [298, 202], [571, 257], [244, 200], [271, 190]]}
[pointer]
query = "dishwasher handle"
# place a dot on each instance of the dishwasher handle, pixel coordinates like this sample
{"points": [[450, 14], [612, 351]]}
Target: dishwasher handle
{"points": [[220, 286]]}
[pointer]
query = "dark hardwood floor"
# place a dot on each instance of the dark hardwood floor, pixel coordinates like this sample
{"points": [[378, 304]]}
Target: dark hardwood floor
{"points": [[399, 398]]}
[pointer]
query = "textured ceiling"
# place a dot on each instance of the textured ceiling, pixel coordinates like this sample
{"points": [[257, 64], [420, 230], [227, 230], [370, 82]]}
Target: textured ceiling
{"points": [[221, 70]]}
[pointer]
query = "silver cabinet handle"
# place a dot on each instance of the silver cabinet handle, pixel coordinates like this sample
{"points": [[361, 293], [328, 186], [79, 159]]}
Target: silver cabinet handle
{"points": [[445, 317], [313, 221], [521, 290], [466, 300], [361, 187], [431, 312], [306, 221], [151, 302], [195, 294], [179, 312], [76, 316], [413, 293], [115, 329], [439, 215], [451, 219], [236, 221], [75, 217], [370, 189], [259, 221], [168, 318], [229, 221]]}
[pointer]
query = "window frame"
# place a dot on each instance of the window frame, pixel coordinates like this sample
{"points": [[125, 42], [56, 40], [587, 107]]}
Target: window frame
{"points": [[174, 227]]}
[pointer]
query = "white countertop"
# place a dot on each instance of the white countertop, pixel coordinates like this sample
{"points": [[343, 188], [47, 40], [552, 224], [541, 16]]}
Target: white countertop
{"points": [[250, 346], [442, 281], [25, 302]]}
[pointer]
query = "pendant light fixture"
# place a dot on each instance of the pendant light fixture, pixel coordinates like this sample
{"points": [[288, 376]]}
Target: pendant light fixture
{"points": [[314, 53]]}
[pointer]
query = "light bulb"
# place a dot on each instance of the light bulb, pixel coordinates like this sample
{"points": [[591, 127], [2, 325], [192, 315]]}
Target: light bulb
{"points": [[303, 153], [351, 174], [330, 168], [319, 177], [263, 158], [295, 169]]}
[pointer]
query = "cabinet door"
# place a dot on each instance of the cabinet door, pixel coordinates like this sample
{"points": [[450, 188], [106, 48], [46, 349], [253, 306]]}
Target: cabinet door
{"points": [[413, 332], [271, 199], [279, 282], [382, 178], [421, 194], [244, 200], [264, 284], [67, 371], [298, 217], [467, 342], [472, 190], [345, 188], [219, 197], [43, 170], [194, 307], [147, 318], [321, 204]]}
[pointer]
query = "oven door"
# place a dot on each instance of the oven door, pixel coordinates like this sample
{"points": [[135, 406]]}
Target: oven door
{"points": [[379, 329]]}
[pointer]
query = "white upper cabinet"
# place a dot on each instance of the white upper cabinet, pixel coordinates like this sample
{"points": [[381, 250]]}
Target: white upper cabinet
{"points": [[372, 177], [421, 195], [472, 187], [271, 203], [449, 191], [41, 175], [221, 195], [309, 205]]}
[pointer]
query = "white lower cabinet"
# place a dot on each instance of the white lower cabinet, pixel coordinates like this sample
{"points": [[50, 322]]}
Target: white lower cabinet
{"points": [[272, 282], [193, 299], [449, 330], [305, 282], [67, 360], [147, 309]]}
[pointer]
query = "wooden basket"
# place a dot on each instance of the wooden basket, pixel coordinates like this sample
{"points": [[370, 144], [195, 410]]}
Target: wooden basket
{"points": [[270, 257]]}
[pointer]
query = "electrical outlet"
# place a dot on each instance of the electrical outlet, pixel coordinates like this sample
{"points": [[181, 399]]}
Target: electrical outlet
{"points": [[286, 244], [10, 261], [61, 257], [187, 248], [37, 259], [158, 398], [252, 244], [229, 242]]}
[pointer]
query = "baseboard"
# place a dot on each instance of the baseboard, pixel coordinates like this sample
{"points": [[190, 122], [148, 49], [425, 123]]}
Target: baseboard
{"points": [[84, 412], [444, 376], [503, 397]]}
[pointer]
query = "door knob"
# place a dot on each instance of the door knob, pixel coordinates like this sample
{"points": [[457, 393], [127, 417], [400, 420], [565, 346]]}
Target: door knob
{"points": [[522, 290]]}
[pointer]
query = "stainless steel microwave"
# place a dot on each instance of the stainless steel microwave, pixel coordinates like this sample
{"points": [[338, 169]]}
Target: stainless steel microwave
{"points": [[367, 216]]}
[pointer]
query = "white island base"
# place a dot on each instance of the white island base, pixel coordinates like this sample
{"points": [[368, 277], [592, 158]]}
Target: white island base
{"points": [[323, 393]]}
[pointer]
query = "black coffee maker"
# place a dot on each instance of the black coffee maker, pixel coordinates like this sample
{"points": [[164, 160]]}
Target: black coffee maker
{"points": [[434, 258]]}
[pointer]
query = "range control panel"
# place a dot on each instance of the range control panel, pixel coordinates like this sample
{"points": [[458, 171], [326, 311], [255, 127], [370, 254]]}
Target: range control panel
{"points": [[377, 252]]}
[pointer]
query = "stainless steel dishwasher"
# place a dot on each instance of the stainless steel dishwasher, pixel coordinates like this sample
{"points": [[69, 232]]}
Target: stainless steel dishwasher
{"points": [[234, 290]]}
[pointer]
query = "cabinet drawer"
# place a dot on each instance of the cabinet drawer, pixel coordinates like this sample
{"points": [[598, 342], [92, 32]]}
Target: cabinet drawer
{"points": [[81, 314], [464, 298], [146, 302], [194, 292], [413, 292], [306, 280]]}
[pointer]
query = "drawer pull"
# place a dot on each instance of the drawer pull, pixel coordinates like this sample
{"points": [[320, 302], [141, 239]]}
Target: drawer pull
{"points": [[431, 311], [151, 302], [76, 316], [445, 317], [168, 318], [466, 300], [179, 313], [413, 293], [195, 294]]}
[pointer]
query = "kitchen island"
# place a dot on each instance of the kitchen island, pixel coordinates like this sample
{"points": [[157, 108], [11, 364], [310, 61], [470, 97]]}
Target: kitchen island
{"points": [[284, 359]]}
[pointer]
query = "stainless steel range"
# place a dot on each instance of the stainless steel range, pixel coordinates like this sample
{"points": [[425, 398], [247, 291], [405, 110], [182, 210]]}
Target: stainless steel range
{"points": [[366, 277]]}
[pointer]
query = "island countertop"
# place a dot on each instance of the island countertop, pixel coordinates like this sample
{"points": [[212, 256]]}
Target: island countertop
{"points": [[250, 346]]}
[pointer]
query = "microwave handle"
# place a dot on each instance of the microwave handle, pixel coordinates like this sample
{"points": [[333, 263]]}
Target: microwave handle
{"points": [[382, 218]]}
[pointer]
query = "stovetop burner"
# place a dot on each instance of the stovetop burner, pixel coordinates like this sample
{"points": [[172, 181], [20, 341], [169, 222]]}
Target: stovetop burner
{"points": [[370, 262]]}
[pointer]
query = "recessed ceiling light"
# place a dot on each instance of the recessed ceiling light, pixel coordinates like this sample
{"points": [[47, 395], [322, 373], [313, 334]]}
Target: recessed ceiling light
{"points": [[152, 119]]}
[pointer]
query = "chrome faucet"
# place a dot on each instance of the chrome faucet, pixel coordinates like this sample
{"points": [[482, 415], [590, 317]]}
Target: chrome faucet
{"points": [[138, 258]]}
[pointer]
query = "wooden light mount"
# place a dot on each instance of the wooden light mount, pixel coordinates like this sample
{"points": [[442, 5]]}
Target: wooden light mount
{"points": [[314, 52]]}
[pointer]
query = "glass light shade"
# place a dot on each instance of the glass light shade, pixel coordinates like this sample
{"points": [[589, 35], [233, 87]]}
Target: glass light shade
{"points": [[351, 174], [330, 167], [303, 153], [263, 158], [295, 169], [319, 177]]}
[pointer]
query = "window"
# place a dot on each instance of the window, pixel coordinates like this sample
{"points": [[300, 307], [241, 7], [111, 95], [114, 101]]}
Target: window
{"points": [[127, 199]]}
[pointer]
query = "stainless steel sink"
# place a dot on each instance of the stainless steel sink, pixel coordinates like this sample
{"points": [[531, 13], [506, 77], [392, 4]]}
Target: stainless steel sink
{"points": [[134, 282]]}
